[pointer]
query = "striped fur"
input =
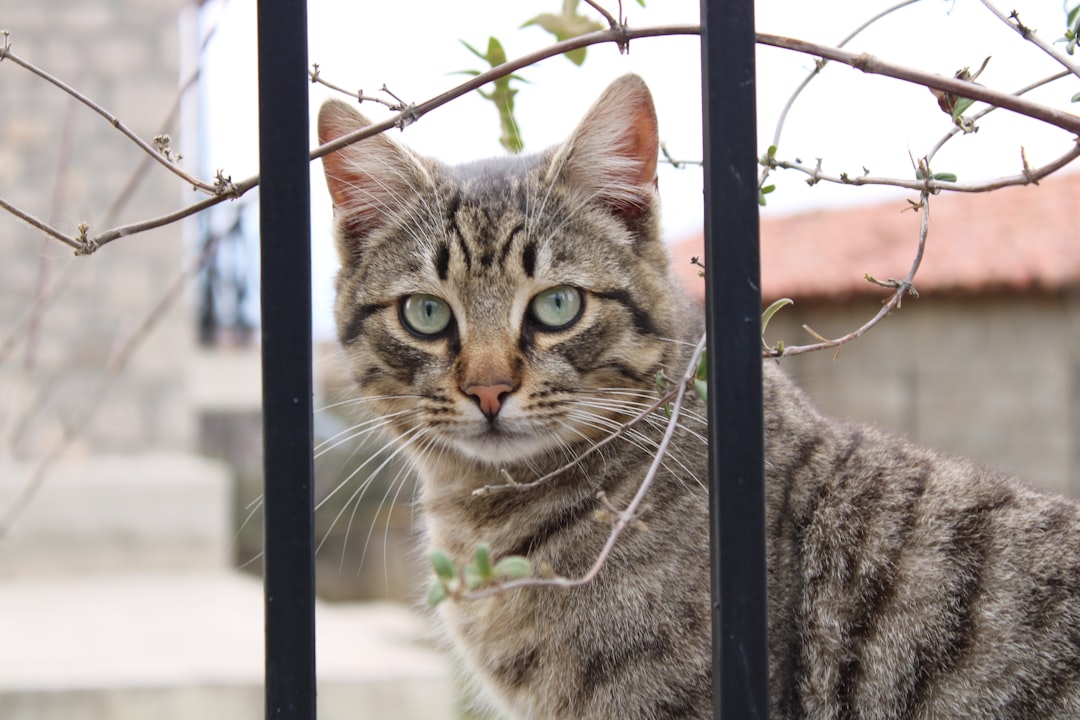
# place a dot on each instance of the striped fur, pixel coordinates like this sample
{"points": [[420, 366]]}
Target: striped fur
{"points": [[901, 584]]}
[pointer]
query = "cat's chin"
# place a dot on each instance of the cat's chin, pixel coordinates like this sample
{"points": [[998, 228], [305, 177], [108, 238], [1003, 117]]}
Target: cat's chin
{"points": [[500, 448]]}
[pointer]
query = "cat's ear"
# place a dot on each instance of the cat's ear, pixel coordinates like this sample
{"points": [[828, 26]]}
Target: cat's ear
{"points": [[368, 179], [614, 149]]}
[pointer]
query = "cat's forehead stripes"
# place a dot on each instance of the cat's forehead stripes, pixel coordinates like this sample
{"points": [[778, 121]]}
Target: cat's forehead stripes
{"points": [[484, 226]]}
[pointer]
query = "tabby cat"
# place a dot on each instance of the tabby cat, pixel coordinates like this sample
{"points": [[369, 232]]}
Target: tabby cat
{"points": [[504, 315]]}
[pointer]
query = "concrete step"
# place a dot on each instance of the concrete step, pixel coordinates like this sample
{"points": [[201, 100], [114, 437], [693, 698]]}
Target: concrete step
{"points": [[180, 646], [151, 511]]}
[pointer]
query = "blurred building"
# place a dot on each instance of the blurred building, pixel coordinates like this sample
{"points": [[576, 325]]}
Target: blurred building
{"points": [[120, 373], [985, 363]]}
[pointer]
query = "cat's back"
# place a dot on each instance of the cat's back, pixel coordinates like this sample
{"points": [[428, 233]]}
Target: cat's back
{"points": [[907, 584]]}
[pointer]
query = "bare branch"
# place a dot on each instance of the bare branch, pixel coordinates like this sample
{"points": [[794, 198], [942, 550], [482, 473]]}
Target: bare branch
{"points": [[317, 78], [237, 190], [976, 116], [40, 225], [870, 64], [902, 288], [622, 34], [112, 119], [1013, 21], [611, 21], [820, 65], [1026, 177]]}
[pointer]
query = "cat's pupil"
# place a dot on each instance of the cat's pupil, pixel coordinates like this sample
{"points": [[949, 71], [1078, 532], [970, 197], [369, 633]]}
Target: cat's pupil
{"points": [[425, 314], [558, 307]]}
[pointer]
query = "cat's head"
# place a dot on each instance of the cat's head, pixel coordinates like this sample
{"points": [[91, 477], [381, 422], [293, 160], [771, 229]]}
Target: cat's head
{"points": [[509, 307]]}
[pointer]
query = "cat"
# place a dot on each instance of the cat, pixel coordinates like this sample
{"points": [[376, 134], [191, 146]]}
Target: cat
{"points": [[504, 315]]}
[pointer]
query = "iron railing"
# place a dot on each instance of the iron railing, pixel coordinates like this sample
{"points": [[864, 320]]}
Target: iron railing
{"points": [[285, 251], [733, 301]]}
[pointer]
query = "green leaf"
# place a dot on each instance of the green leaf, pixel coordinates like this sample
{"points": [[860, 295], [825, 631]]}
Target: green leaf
{"points": [[473, 50], [502, 94], [495, 54], [702, 371], [513, 567], [482, 561], [945, 177], [437, 593], [774, 308], [702, 388], [961, 104], [762, 192], [568, 24], [443, 565], [472, 578], [1076, 97]]}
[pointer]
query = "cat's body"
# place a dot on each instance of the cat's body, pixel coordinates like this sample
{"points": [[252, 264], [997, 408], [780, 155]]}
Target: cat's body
{"points": [[504, 316]]}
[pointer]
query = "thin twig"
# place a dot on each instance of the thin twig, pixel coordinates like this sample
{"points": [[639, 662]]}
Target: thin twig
{"points": [[1026, 177], [863, 62], [316, 77], [611, 21], [58, 285], [976, 116], [112, 119], [902, 288], [404, 117], [820, 65], [42, 226], [1013, 21], [622, 519], [875, 66]]}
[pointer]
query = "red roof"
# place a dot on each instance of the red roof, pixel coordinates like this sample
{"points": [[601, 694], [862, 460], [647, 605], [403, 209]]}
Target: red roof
{"points": [[1013, 239]]}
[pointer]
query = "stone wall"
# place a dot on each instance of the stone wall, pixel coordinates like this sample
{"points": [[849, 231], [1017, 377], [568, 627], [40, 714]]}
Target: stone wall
{"points": [[66, 165], [993, 378]]}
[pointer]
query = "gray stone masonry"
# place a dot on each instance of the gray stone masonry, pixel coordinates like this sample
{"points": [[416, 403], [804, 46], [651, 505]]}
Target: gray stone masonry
{"points": [[124, 56], [994, 378]]}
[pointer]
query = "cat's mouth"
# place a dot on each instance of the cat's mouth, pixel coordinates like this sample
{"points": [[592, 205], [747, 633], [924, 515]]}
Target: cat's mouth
{"points": [[498, 444]]}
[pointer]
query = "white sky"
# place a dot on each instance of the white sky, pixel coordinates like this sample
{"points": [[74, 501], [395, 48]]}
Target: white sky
{"points": [[847, 118]]}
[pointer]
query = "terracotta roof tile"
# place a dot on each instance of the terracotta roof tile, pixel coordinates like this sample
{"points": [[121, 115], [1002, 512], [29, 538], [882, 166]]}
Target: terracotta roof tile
{"points": [[1014, 239]]}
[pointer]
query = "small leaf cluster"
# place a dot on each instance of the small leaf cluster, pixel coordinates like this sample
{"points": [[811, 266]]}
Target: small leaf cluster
{"points": [[501, 95], [453, 582], [767, 316], [1072, 34], [701, 378], [768, 160], [566, 25]]}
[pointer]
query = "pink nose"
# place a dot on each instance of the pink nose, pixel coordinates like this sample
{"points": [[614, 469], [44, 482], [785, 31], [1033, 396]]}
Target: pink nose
{"points": [[489, 397]]}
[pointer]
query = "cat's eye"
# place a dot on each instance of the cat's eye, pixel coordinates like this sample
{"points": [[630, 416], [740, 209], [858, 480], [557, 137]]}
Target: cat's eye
{"points": [[425, 314], [557, 307]]}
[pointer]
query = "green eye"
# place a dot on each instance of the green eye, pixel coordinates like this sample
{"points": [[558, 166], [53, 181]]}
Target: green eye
{"points": [[557, 307], [425, 314]]}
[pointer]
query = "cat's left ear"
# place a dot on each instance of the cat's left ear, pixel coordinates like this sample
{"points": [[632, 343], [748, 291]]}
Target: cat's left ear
{"points": [[614, 149]]}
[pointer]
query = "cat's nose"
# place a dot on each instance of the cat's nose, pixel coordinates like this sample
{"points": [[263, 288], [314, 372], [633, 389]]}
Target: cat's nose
{"points": [[489, 397]]}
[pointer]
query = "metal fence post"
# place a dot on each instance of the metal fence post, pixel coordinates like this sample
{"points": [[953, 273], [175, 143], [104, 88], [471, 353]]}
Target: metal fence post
{"points": [[733, 310], [284, 211]]}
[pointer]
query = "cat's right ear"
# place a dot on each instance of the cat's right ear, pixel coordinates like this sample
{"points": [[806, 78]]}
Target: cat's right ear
{"points": [[368, 179]]}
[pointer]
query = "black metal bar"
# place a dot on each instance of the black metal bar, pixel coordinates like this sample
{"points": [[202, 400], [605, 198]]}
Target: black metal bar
{"points": [[284, 212], [733, 310]]}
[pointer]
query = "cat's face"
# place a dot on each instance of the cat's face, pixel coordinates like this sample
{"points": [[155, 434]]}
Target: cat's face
{"points": [[510, 307]]}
